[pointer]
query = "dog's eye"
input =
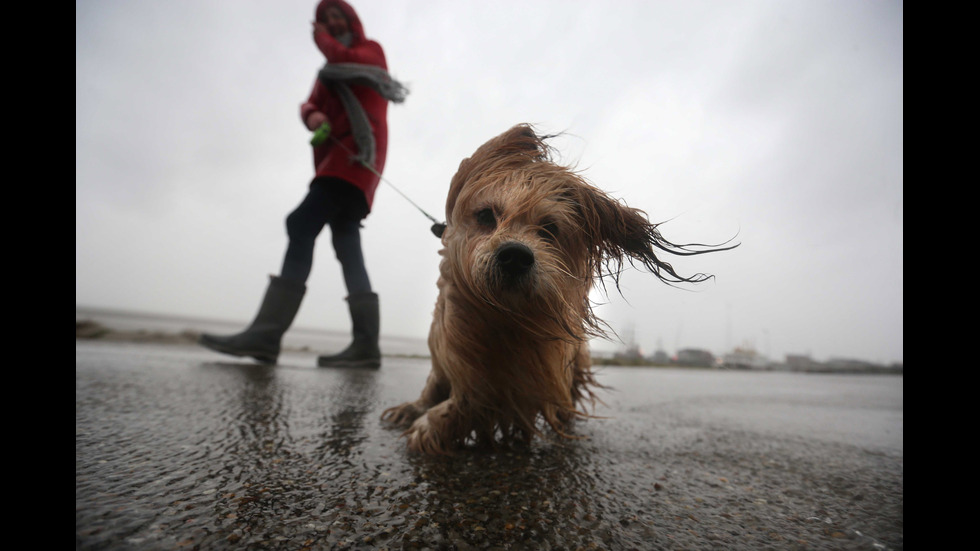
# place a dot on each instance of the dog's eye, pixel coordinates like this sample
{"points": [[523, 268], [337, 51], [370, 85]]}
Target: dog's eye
{"points": [[486, 218], [549, 231]]}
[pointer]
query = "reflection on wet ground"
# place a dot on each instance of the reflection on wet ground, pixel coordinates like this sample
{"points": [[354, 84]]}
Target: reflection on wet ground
{"points": [[175, 450]]}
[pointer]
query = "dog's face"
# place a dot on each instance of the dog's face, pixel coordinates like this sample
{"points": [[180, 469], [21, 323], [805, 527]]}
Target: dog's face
{"points": [[518, 239], [529, 237]]}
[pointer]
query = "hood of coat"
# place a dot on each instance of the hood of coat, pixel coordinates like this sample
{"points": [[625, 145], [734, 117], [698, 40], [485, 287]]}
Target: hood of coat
{"points": [[356, 28]]}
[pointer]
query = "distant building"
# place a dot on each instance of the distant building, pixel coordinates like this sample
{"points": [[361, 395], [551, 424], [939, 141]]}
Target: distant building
{"points": [[694, 357], [838, 365], [630, 356], [744, 358], [845, 365], [660, 358], [800, 362]]}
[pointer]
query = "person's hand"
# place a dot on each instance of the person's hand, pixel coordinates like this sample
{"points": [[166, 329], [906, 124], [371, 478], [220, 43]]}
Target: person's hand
{"points": [[315, 119]]}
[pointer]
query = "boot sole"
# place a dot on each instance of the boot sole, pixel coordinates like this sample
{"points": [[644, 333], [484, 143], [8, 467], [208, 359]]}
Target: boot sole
{"points": [[372, 364], [217, 347]]}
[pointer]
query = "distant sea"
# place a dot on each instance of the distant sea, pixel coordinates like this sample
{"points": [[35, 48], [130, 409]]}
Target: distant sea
{"points": [[297, 337]]}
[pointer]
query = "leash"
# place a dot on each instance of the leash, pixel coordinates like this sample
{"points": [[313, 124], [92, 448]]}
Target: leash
{"points": [[323, 132]]}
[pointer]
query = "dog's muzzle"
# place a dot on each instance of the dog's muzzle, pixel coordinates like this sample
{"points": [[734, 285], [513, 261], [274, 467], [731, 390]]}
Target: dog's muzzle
{"points": [[514, 260]]}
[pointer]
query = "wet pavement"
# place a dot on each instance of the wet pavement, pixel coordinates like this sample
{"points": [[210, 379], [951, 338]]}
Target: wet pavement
{"points": [[179, 448]]}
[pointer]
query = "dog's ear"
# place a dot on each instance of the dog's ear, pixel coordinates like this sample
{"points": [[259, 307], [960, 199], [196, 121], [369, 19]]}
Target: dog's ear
{"points": [[618, 234], [517, 146], [456, 185]]}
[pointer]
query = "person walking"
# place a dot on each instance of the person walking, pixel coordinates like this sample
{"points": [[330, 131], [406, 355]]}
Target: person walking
{"points": [[350, 102]]}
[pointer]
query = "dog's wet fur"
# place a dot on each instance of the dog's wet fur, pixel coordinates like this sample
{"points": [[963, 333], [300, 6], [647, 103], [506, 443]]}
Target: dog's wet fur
{"points": [[525, 241]]}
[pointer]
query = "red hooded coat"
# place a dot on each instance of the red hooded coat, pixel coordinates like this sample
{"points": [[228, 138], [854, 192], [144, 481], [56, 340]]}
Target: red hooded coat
{"points": [[329, 159]]}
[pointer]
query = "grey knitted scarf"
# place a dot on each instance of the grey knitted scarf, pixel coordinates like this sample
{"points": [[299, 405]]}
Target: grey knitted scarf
{"points": [[339, 77]]}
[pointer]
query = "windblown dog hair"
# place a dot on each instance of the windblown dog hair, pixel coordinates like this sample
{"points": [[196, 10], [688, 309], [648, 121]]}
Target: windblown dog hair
{"points": [[525, 241]]}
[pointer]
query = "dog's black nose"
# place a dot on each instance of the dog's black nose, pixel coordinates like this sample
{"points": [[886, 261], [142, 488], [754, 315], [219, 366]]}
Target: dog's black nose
{"points": [[515, 259]]}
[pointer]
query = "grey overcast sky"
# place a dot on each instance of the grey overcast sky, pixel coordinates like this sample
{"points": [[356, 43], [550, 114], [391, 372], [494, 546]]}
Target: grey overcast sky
{"points": [[778, 121]]}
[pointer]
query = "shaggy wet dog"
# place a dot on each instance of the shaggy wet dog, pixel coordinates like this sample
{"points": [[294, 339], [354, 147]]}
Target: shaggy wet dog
{"points": [[525, 240]]}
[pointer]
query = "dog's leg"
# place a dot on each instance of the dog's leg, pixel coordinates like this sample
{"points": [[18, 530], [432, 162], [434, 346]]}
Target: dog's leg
{"points": [[581, 381], [436, 390], [432, 433]]}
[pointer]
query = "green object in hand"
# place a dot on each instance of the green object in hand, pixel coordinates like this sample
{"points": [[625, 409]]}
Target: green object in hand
{"points": [[321, 134]]}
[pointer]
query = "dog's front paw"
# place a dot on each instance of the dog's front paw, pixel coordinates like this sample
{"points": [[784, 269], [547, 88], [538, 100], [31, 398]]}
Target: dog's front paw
{"points": [[404, 414], [424, 438], [433, 433]]}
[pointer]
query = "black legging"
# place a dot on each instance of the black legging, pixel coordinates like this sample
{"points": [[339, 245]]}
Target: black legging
{"points": [[337, 203]]}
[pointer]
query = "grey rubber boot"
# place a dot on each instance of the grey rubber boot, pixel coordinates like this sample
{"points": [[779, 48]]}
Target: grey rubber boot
{"points": [[366, 321], [262, 339]]}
